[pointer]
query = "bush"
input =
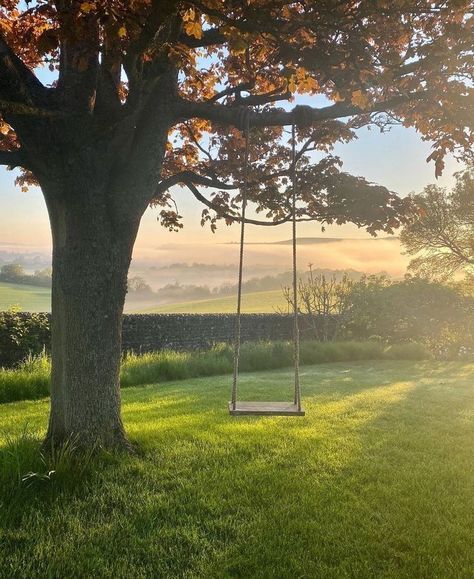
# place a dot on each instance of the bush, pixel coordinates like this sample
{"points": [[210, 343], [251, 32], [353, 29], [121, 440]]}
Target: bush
{"points": [[30, 380], [22, 335], [413, 310]]}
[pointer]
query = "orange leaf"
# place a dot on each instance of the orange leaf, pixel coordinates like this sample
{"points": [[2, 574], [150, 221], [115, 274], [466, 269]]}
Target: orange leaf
{"points": [[360, 99], [86, 7], [193, 29]]}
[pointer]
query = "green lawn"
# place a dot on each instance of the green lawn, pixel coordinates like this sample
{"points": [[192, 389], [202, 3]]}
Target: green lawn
{"points": [[28, 297], [375, 481], [253, 302]]}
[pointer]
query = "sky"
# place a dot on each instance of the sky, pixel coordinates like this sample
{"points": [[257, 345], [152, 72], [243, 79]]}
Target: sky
{"points": [[396, 159]]}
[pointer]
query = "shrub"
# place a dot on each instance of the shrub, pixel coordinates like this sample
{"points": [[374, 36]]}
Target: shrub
{"points": [[22, 335], [412, 310]]}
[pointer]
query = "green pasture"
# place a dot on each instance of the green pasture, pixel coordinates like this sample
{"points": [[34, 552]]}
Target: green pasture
{"points": [[252, 302], [37, 299], [27, 297]]}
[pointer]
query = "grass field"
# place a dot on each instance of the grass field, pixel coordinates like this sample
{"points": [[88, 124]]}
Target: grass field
{"points": [[375, 481], [36, 299], [28, 297], [253, 302]]}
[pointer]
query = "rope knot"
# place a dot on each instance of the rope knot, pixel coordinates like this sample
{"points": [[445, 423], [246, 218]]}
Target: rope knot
{"points": [[302, 116], [243, 118]]}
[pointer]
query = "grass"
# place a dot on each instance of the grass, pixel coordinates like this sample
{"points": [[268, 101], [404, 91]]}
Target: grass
{"points": [[375, 481], [28, 297], [252, 303], [30, 380], [38, 299]]}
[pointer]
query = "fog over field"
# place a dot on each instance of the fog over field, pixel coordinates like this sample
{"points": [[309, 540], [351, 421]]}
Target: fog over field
{"points": [[214, 264], [367, 255]]}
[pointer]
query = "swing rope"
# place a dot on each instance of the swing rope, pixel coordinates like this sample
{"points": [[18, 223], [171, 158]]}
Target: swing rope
{"points": [[244, 189], [246, 128], [296, 330]]}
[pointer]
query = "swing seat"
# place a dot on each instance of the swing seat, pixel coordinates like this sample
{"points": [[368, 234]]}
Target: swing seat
{"points": [[265, 409]]}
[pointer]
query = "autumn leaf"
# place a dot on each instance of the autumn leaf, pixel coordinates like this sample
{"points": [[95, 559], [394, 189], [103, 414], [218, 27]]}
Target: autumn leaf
{"points": [[189, 15], [87, 7], [292, 83], [122, 32], [193, 28], [360, 99]]}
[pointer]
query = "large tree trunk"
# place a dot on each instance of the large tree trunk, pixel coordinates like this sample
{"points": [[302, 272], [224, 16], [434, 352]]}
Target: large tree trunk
{"points": [[91, 257]]}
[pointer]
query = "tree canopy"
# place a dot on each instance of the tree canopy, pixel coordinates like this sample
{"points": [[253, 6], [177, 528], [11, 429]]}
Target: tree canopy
{"points": [[442, 238], [118, 65]]}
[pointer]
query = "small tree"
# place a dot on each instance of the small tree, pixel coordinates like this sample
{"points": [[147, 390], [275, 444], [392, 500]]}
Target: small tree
{"points": [[324, 300], [12, 272], [442, 238], [137, 285]]}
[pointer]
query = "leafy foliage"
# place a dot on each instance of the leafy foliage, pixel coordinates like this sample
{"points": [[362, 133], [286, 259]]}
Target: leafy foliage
{"points": [[414, 309], [442, 238], [22, 335], [117, 64]]}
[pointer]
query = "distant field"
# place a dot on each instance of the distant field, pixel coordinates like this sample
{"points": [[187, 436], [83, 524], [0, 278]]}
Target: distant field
{"points": [[36, 299], [29, 298], [254, 302]]}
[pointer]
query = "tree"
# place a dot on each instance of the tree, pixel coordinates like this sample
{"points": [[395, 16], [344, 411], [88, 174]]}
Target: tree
{"points": [[12, 272], [138, 285], [324, 300], [151, 93], [442, 238]]}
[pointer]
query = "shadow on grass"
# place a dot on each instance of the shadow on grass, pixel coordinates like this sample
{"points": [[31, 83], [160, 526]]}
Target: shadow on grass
{"points": [[364, 485]]}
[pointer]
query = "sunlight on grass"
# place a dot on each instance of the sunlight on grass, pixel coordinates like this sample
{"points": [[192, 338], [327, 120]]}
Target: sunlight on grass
{"points": [[376, 480]]}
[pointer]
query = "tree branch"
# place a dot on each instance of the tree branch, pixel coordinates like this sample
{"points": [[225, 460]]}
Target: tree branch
{"points": [[17, 82], [11, 158], [232, 90], [209, 38], [195, 191], [277, 117], [191, 177], [263, 99]]}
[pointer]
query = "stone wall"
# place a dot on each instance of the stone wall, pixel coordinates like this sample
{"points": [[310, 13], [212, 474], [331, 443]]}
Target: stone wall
{"points": [[149, 332]]}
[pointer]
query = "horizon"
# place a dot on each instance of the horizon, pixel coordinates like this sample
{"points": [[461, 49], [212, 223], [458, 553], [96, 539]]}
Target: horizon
{"points": [[396, 159]]}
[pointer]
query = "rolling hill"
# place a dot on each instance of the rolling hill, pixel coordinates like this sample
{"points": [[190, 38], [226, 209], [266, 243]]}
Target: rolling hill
{"points": [[37, 299], [27, 297], [253, 302]]}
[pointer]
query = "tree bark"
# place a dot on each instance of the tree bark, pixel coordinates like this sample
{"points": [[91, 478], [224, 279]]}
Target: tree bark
{"points": [[92, 251]]}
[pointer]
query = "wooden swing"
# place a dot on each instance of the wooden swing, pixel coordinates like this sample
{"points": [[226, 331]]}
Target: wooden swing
{"points": [[260, 408]]}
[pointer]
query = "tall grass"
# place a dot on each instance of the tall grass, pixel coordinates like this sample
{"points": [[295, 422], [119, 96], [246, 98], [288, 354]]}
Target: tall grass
{"points": [[30, 380]]}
